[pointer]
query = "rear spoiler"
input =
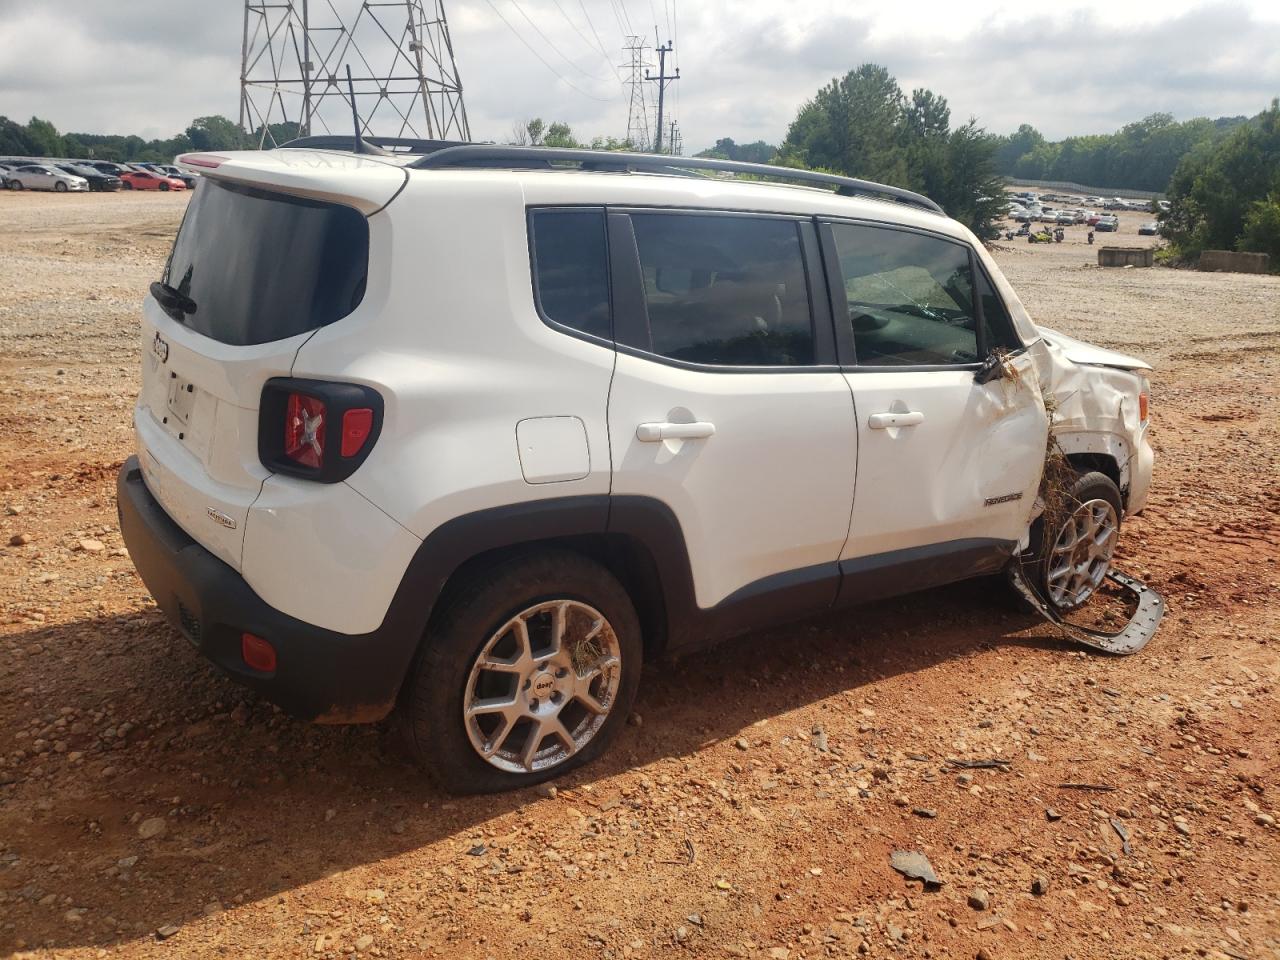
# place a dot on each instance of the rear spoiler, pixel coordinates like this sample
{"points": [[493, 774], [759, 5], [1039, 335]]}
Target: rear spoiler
{"points": [[367, 183]]}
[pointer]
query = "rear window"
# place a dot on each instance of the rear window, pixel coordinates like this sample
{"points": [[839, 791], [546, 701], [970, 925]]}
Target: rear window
{"points": [[264, 266]]}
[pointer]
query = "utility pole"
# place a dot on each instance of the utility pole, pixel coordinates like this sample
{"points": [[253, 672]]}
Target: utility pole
{"points": [[662, 80]]}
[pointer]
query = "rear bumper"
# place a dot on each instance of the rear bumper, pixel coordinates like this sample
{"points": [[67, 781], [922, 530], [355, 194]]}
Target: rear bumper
{"points": [[320, 674]]}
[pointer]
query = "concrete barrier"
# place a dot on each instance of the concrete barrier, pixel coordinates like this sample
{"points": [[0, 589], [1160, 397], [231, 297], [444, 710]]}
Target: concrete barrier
{"points": [[1126, 256], [1232, 262]]}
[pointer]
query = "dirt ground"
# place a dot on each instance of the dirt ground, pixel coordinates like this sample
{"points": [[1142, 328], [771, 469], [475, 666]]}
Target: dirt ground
{"points": [[151, 808]]}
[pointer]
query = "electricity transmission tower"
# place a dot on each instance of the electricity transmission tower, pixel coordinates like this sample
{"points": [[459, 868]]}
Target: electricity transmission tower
{"points": [[293, 59], [637, 109]]}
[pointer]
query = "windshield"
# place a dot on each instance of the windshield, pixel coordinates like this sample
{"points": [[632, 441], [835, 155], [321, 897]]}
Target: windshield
{"points": [[262, 266]]}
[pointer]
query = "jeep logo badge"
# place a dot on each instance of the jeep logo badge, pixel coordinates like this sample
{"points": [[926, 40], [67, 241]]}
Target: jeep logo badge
{"points": [[160, 347]]}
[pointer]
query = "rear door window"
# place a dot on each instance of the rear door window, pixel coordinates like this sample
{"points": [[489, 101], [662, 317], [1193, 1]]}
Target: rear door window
{"points": [[725, 290], [263, 266]]}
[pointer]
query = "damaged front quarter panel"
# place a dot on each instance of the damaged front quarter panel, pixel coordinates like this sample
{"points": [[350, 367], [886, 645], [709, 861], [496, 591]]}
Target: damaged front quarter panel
{"points": [[1092, 396]]}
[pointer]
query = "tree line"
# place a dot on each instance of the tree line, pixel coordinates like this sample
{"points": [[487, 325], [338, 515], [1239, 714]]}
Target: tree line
{"points": [[1222, 176], [1139, 156], [40, 138]]}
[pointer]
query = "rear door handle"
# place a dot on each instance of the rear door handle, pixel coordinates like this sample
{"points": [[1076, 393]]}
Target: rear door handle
{"points": [[653, 432], [883, 421]]}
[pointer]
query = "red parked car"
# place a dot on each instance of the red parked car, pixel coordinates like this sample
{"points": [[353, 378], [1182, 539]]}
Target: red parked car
{"points": [[142, 180]]}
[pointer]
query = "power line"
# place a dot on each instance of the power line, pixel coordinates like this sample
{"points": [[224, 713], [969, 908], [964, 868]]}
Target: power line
{"points": [[547, 41], [595, 34], [586, 39], [626, 17], [567, 82]]}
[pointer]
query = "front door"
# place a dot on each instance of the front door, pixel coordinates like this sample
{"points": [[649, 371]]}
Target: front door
{"points": [[727, 403], [949, 467]]}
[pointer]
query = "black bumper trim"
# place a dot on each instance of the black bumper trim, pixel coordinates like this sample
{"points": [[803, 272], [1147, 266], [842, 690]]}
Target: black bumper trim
{"points": [[320, 674]]}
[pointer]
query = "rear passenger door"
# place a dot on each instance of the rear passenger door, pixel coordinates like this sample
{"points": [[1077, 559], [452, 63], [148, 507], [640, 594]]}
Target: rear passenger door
{"points": [[727, 402], [949, 467]]}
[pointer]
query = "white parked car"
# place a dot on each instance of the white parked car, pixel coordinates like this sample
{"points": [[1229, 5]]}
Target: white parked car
{"points": [[40, 176], [471, 436]]}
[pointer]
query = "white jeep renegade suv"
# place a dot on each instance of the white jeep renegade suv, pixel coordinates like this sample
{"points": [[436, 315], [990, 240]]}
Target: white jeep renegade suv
{"points": [[471, 434]]}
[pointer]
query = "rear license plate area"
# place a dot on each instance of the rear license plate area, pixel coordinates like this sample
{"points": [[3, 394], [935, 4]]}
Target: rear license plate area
{"points": [[182, 399]]}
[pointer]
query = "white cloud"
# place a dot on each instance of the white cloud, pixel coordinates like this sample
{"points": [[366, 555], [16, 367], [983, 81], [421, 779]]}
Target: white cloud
{"points": [[135, 66]]}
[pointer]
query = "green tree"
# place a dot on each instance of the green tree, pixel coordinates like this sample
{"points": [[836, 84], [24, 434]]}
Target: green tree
{"points": [[726, 149], [559, 135], [217, 133], [1261, 232], [44, 135], [1221, 196], [15, 140], [863, 125]]}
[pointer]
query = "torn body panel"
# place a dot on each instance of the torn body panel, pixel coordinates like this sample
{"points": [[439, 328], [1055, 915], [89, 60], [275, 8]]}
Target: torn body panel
{"points": [[1097, 410], [1137, 632]]}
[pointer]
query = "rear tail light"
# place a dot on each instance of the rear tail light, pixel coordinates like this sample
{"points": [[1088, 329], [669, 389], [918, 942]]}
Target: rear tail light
{"points": [[304, 426], [315, 429], [1144, 403]]}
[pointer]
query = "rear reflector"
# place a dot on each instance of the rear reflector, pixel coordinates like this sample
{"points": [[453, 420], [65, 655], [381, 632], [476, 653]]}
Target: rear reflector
{"points": [[257, 653], [1144, 401], [304, 430], [357, 424]]}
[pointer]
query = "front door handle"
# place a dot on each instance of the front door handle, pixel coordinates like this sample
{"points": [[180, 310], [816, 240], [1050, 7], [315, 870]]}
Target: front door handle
{"points": [[653, 432], [883, 421]]}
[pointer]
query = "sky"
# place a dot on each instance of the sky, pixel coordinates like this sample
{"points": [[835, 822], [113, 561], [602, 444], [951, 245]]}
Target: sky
{"points": [[1070, 67]]}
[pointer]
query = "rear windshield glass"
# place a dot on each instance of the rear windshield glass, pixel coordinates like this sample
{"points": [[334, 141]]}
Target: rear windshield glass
{"points": [[263, 266]]}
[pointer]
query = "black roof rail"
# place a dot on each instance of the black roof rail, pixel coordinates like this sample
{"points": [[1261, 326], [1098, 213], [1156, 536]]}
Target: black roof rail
{"points": [[392, 145], [496, 156]]}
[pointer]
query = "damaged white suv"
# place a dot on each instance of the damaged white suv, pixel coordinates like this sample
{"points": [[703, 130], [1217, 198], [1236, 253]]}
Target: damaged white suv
{"points": [[474, 432]]}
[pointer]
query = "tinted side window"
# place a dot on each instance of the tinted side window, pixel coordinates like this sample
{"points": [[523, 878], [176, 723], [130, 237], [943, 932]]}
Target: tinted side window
{"points": [[910, 297], [571, 273], [725, 290]]}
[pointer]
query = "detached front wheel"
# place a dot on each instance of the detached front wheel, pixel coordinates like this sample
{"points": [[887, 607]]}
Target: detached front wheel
{"points": [[1072, 548], [528, 673]]}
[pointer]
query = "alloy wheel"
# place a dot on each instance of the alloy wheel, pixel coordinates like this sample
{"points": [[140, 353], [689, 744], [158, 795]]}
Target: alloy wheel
{"points": [[1082, 553], [542, 686]]}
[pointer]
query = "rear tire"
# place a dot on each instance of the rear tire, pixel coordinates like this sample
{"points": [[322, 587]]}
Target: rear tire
{"points": [[15, 185], [528, 673]]}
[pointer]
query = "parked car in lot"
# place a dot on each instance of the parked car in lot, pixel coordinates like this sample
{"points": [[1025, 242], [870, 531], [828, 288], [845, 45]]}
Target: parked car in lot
{"points": [[42, 176], [106, 166], [1066, 218], [146, 180], [96, 178], [1149, 229], [1107, 224], [169, 170], [484, 438]]}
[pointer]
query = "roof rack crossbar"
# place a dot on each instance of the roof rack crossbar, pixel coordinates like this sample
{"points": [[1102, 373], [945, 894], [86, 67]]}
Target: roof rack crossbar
{"points": [[496, 156]]}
